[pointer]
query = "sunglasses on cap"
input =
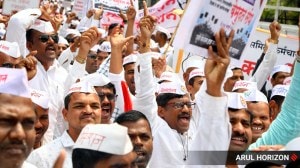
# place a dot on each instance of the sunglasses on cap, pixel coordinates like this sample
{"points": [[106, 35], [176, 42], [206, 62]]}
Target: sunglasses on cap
{"points": [[45, 37]]}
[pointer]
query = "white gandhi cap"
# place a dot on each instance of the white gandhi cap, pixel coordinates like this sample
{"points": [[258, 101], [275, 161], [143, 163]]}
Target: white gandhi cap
{"points": [[82, 87], [108, 138], [10, 48], [236, 100], [14, 82], [40, 98]]}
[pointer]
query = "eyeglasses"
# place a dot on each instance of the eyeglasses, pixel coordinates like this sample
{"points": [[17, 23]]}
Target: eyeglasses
{"points": [[110, 97], [180, 105], [8, 65], [45, 37]]}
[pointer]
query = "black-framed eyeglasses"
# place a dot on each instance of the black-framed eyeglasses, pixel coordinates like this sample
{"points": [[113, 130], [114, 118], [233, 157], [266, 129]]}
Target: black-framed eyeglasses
{"points": [[110, 97], [8, 65], [180, 105], [45, 37]]}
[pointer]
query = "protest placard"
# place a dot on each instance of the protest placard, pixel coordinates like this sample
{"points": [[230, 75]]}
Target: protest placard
{"points": [[81, 7], [286, 51], [16, 5], [203, 19]]}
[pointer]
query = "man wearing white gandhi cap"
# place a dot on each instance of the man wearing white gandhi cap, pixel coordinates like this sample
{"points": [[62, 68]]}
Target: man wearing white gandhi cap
{"points": [[32, 31], [105, 146], [17, 118], [82, 107], [41, 107]]}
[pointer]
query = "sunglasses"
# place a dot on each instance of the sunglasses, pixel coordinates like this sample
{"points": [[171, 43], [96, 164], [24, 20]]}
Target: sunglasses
{"points": [[45, 37], [8, 65], [110, 97]]}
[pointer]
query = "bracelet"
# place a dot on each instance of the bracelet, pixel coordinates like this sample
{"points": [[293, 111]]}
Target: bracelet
{"points": [[80, 60], [274, 41]]}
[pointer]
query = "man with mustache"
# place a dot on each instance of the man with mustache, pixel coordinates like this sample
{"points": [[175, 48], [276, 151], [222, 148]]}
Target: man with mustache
{"points": [[139, 131], [17, 119], [240, 119], [82, 107], [33, 31], [178, 125]]}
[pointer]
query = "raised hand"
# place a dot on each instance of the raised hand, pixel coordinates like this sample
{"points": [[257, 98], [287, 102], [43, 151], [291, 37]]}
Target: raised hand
{"points": [[70, 16], [29, 63], [147, 26], [87, 40], [117, 40], [98, 13], [122, 15], [159, 66], [217, 63], [131, 12], [90, 13], [275, 29]]}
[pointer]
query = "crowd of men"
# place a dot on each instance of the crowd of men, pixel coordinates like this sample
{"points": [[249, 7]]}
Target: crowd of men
{"points": [[75, 94]]}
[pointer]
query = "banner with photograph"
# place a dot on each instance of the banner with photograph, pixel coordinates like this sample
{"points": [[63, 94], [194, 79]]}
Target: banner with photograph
{"points": [[205, 18]]}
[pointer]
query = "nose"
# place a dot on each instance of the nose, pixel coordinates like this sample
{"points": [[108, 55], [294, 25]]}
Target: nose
{"points": [[38, 124], [185, 108], [105, 99], [256, 121], [238, 128], [137, 141], [17, 132]]}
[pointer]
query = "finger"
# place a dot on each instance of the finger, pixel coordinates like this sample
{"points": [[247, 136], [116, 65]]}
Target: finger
{"points": [[219, 45], [128, 39], [223, 38], [60, 160], [146, 13], [230, 38], [131, 2], [32, 53]]}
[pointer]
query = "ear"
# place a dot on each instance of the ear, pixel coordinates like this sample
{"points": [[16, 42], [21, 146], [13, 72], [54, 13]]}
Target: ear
{"points": [[272, 81], [29, 45], [273, 109], [161, 111], [65, 114], [185, 76]]}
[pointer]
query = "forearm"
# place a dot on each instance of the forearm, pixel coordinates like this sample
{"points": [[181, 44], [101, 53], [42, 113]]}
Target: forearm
{"points": [[266, 67], [129, 32]]}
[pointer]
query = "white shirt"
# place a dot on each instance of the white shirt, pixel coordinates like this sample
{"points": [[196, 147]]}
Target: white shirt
{"points": [[266, 66], [52, 81], [45, 156], [28, 165], [209, 130]]}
